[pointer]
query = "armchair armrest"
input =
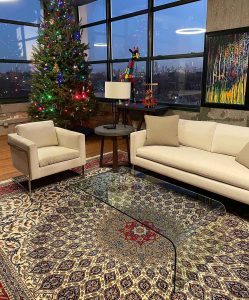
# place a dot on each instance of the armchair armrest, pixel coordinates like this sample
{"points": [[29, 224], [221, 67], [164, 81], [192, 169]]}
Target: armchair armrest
{"points": [[24, 155], [137, 140], [72, 140]]}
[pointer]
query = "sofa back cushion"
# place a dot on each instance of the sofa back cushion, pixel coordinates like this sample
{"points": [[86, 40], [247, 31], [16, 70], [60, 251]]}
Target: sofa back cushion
{"points": [[196, 134], [43, 133], [230, 139]]}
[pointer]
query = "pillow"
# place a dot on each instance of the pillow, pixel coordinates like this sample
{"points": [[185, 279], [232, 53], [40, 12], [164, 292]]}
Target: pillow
{"points": [[162, 130], [42, 133], [243, 156]]}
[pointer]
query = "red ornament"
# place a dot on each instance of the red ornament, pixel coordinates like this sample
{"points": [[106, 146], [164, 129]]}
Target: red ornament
{"points": [[84, 95], [80, 96]]}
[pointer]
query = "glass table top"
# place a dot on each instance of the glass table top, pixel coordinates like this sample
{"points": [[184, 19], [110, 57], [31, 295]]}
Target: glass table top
{"points": [[173, 212]]}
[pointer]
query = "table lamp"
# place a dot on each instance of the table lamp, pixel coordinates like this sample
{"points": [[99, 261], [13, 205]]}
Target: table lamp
{"points": [[116, 91]]}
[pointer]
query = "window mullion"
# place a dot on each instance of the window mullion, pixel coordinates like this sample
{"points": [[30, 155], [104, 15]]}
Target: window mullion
{"points": [[109, 39]]}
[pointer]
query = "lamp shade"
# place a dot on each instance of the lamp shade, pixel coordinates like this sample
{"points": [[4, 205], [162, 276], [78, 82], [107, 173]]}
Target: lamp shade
{"points": [[117, 90]]}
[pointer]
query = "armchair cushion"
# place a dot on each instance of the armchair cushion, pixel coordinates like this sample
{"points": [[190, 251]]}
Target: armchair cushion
{"points": [[55, 154], [43, 133]]}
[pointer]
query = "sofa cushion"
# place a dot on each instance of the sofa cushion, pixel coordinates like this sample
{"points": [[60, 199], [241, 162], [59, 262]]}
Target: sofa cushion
{"points": [[230, 139], [243, 156], [197, 134], [214, 166], [43, 133], [161, 130], [55, 154]]}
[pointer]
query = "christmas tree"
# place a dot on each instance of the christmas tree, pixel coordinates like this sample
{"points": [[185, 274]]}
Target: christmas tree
{"points": [[60, 88]]}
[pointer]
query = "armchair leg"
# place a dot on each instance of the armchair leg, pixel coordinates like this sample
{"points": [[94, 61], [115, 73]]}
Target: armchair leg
{"points": [[133, 169], [83, 171]]}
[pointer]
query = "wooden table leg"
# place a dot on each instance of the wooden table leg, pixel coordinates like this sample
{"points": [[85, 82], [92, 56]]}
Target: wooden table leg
{"points": [[128, 149], [117, 115], [101, 151], [128, 118], [140, 123], [115, 153], [124, 116]]}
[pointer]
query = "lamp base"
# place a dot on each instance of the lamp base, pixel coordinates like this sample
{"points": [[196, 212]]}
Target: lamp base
{"points": [[113, 126]]}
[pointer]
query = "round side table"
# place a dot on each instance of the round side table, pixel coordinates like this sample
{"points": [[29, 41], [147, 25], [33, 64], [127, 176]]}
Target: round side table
{"points": [[119, 131]]}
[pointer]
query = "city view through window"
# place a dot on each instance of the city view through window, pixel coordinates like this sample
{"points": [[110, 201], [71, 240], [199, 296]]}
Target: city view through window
{"points": [[179, 80], [14, 80]]}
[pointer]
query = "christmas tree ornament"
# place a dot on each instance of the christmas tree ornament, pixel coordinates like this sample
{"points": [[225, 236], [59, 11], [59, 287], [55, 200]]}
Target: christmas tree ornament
{"points": [[60, 3], [70, 18], [60, 78], [77, 36], [56, 68]]}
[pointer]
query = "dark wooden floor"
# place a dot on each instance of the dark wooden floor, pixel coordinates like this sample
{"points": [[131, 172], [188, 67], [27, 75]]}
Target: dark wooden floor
{"points": [[7, 170]]}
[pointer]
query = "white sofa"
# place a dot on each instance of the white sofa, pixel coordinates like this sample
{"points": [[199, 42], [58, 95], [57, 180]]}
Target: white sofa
{"points": [[40, 149], [205, 158]]}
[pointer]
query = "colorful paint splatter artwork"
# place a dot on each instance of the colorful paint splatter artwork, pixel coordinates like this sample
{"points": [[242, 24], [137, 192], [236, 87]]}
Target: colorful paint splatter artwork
{"points": [[227, 68]]}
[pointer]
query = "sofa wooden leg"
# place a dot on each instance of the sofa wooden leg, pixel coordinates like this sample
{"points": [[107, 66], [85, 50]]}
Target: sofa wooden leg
{"points": [[30, 189]]}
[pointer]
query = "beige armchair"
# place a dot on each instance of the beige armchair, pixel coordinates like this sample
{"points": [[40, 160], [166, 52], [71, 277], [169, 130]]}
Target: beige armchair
{"points": [[40, 149]]}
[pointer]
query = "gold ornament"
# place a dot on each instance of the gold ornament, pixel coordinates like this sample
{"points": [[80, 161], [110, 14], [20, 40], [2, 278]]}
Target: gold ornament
{"points": [[56, 68]]}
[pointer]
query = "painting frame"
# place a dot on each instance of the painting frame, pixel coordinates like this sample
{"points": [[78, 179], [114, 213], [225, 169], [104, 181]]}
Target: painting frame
{"points": [[211, 37]]}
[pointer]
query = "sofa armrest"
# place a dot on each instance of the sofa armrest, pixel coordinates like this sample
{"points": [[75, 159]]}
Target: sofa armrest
{"points": [[137, 140], [24, 154], [72, 140]]}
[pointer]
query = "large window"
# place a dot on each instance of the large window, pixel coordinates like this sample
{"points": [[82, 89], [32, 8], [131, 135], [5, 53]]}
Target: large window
{"points": [[95, 37], [98, 77], [18, 33], [179, 80], [92, 12], [21, 10], [121, 7], [170, 37], [128, 33], [171, 26]]}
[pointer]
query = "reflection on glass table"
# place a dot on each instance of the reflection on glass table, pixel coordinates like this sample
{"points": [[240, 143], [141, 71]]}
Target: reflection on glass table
{"points": [[174, 213]]}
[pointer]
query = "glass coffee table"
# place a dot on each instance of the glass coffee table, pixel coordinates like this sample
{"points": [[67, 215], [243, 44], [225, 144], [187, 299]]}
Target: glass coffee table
{"points": [[172, 212]]}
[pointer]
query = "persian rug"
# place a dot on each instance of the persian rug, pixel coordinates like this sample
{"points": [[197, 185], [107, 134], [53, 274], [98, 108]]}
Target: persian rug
{"points": [[66, 244]]}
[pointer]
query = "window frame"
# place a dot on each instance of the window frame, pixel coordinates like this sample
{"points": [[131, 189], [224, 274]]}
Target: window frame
{"points": [[150, 58], [13, 100]]}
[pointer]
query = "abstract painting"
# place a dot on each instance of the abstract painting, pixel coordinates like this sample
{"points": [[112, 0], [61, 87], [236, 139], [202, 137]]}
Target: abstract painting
{"points": [[226, 68]]}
